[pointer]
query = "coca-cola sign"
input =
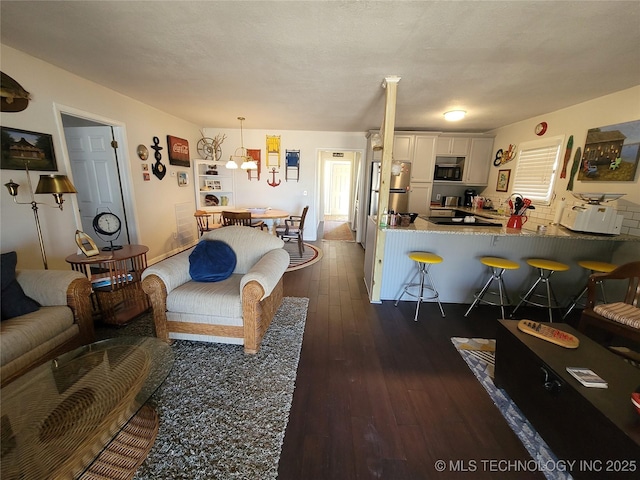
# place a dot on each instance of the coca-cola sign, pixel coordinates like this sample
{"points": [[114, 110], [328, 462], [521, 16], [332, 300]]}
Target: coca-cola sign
{"points": [[178, 151]]}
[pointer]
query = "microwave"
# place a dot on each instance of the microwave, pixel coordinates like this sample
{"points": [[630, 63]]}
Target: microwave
{"points": [[448, 172]]}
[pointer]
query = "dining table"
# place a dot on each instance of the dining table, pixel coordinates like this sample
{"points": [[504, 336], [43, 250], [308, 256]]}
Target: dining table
{"points": [[271, 215]]}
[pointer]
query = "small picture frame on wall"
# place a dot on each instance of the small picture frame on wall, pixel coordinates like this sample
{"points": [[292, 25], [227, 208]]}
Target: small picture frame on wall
{"points": [[183, 179], [502, 184]]}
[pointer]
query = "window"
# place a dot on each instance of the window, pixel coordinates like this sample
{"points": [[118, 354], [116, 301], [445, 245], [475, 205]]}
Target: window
{"points": [[537, 168]]}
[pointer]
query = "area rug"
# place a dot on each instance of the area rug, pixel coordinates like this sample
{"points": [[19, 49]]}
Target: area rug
{"points": [[310, 256], [223, 413], [479, 354], [337, 231]]}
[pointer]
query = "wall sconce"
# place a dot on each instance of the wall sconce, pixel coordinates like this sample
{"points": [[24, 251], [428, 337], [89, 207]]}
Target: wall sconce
{"points": [[248, 163], [57, 185]]}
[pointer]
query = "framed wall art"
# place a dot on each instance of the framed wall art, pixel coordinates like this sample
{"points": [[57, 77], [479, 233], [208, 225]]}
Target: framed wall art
{"points": [[22, 146], [178, 151], [611, 153], [502, 185], [183, 179]]}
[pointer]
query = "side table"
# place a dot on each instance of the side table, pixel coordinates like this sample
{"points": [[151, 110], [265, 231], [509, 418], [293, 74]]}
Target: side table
{"points": [[116, 277]]}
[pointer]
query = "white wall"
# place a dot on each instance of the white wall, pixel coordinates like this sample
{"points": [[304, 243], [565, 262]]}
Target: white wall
{"points": [[611, 109], [53, 88], [289, 195]]}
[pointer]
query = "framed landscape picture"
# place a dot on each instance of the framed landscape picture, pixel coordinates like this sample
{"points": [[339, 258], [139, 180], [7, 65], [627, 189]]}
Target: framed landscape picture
{"points": [[502, 185], [22, 146]]}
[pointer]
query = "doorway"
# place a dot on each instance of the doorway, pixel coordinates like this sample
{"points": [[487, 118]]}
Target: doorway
{"points": [[338, 202], [98, 170]]}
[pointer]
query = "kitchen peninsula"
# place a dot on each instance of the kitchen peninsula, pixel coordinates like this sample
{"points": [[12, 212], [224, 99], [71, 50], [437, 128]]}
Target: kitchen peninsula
{"points": [[461, 274]]}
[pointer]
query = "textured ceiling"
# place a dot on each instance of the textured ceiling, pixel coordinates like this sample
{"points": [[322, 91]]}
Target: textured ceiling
{"points": [[319, 65]]}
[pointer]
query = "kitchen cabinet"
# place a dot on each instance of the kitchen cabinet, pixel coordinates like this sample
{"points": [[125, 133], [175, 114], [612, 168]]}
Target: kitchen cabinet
{"points": [[454, 146], [420, 198], [214, 187], [423, 158], [478, 162], [403, 147]]}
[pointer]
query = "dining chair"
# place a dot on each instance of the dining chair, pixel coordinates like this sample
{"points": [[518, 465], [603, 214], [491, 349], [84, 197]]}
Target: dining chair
{"points": [[204, 220], [293, 228], [241, 218]]}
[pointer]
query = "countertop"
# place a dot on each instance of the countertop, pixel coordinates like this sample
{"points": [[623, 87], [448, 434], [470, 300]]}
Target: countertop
{"points": [[529, 229]]}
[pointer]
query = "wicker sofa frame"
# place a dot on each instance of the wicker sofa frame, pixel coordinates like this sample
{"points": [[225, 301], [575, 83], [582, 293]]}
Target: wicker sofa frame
{"points": [[38, 284]]}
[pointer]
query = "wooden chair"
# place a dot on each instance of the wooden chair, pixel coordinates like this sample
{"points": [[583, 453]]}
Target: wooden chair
{"points": [[294, 229], [620, 318], [202, 218], [241, 218]]}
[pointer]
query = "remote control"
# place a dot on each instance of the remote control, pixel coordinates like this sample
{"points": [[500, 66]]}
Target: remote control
{"points": [[549, 334]]}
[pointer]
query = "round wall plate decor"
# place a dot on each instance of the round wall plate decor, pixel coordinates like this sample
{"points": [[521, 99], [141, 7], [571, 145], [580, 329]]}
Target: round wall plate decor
{"points": [[142, 152]]}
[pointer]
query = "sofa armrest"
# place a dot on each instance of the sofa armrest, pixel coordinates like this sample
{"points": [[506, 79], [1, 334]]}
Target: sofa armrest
{"points": [[267, 271], [62, 287], [173, 271], [47, 287]]}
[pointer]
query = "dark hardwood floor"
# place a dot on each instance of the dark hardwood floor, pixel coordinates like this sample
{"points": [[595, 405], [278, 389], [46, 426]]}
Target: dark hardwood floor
{"points": [[379, 396]]}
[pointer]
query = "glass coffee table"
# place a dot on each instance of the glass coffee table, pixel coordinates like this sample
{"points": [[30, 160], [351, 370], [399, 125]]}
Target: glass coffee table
{"points": [[64, 418]]}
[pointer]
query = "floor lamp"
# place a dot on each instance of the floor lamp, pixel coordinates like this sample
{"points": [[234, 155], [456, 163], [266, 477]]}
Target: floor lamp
{"points": [[57, 185]]}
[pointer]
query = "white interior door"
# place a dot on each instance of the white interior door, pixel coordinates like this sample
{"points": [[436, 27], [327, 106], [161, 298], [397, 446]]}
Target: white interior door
{"points": [[339, 188], [95, 176]]}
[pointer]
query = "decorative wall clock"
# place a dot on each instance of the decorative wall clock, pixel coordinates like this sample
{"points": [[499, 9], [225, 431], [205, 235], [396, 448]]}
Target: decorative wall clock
{"points": [[541, 128]]}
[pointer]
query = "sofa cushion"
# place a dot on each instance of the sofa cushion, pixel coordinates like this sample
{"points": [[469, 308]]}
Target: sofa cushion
{"points": [[14, 302], [25, 333], [212, 261]]}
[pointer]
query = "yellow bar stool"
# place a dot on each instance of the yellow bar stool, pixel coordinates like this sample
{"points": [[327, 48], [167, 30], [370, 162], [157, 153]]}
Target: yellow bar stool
{"points": [[423, 260], [593, 267], [546, 268], [498, 266]]}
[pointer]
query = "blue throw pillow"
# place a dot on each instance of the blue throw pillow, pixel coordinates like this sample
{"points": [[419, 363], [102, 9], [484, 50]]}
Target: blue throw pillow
{"points": [[212, 261], [14, 302]]}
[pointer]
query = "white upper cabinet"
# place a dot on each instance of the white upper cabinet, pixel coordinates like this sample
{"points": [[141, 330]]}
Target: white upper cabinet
{"points": [[402, 147], [479, 161], [454, 146], [423, 158], [420, 198]]}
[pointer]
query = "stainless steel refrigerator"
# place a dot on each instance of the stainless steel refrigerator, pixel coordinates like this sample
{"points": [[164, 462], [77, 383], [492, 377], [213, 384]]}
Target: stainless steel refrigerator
{"points": [[398, 188]]}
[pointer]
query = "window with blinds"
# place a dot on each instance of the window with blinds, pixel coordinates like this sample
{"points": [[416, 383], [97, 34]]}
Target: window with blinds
{"points": [[537, 168]]}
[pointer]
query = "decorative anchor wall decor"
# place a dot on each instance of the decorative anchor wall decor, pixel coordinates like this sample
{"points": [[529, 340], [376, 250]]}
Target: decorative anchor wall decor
{"points": [[273, 183], [159, 170]]}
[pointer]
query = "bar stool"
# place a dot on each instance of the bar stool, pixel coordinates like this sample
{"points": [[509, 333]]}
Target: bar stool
{"points": [[546, 268], [423, 260], [593, 267], [498, 266]]}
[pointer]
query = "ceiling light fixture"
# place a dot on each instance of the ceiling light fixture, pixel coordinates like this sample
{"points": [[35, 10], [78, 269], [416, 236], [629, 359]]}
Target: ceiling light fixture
{"points": [[454, 115], [247, 162]]}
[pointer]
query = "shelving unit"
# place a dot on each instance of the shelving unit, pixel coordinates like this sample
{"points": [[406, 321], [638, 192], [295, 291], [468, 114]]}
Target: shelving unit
{"points": [[214, 192]]}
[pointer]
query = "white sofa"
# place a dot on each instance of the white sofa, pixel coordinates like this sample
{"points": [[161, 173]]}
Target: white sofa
{"points": [[236, 310]]}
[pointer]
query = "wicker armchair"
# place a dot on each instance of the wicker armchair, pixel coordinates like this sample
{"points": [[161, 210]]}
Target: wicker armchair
{"points": [[620, 318], [236, 310]]}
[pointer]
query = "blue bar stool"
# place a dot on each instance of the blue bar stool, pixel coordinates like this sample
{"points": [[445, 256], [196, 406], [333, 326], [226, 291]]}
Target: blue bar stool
{"points": [[546, 268], [593, 267], [423, 260], [498, 266]]}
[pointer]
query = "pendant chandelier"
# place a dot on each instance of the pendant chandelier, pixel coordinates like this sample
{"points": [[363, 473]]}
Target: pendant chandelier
{"points": [[241, 155]]}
